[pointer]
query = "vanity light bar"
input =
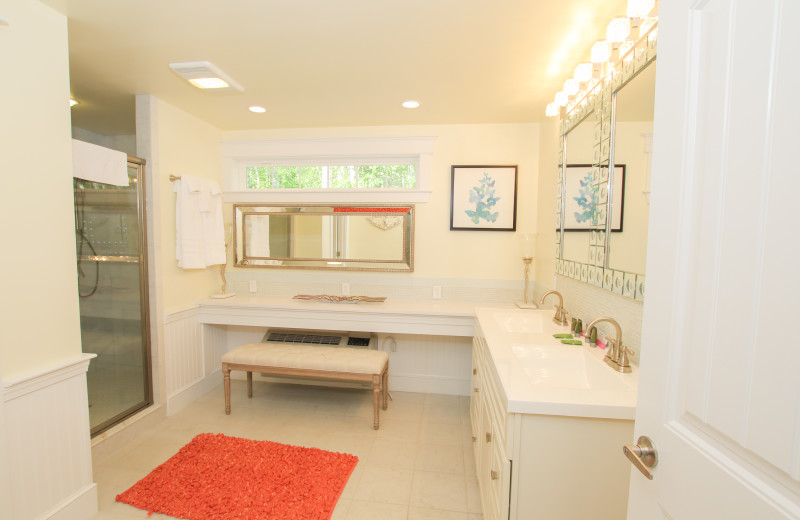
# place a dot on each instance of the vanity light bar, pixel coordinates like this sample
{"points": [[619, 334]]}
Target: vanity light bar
{"points": [[616, 45]]}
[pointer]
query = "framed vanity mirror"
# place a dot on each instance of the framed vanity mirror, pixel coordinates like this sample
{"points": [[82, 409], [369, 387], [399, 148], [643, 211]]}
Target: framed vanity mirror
{"points": [[353, 237], [605, 139]]}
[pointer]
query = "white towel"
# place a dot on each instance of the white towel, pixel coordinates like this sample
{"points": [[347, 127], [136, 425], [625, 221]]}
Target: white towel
{"points": [[98, 164], [200, 230]]}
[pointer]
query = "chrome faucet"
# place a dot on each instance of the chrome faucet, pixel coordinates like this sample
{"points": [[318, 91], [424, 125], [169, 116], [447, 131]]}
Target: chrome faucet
{"points": [[560, 317], [617, 354]]}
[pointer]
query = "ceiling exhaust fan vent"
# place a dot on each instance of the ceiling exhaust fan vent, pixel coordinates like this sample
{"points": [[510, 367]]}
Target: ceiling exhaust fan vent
{"points": [[206, 76]]}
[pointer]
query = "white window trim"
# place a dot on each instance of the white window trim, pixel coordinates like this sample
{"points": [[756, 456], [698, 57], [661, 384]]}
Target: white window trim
{"points": [[238, 154]]}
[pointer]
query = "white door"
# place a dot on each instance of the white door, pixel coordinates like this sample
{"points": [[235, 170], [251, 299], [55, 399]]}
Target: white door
{"points": [[720, 379]]}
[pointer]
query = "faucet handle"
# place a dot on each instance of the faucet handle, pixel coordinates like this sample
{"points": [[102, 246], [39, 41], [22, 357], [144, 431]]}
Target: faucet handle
{"points": [[613, 350], [623, 356]]}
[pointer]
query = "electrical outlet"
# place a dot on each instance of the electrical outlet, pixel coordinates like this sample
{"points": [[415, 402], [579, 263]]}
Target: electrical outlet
{"points": [[253, 286], [345, 289], [437, 292]]}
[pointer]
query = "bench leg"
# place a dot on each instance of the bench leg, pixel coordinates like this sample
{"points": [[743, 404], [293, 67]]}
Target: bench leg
{"points": [[249, 384], [376, 397], [386, 386], [226, 383]]}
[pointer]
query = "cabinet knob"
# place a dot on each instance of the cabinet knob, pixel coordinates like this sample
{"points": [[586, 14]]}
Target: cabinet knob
{"points": [[474, 438], [474, 371], [495, 475], [476, 389], [488, 437]]}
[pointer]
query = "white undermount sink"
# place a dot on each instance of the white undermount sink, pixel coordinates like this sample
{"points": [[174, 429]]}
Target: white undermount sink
{"points": [[540, 375], [569, 367], [521, 323]]}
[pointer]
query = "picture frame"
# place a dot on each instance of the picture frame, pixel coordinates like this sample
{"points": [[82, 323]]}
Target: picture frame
{"points": [[483, 198], [577, 213]]}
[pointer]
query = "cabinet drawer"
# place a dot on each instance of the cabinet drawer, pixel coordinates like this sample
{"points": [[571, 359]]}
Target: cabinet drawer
{"points": [[474, 387], [498, 416], [499, 478]]}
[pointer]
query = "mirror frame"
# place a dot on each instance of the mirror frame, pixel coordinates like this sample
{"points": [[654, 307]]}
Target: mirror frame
{"points": [[600, 105], [405, 265]]}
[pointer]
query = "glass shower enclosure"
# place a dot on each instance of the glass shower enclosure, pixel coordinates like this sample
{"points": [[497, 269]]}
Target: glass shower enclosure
{"points": [[112, 285]]}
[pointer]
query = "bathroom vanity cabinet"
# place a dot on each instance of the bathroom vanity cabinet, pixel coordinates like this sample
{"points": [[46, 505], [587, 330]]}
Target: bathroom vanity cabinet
{"points": [[548, 428]]}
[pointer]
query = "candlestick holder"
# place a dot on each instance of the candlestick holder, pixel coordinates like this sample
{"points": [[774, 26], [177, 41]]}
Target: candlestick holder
{"points": [[527, 246]]}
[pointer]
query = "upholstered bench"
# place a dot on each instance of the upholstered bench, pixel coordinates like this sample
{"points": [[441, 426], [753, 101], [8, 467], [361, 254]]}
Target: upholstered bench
{"points": [[319, 362]]}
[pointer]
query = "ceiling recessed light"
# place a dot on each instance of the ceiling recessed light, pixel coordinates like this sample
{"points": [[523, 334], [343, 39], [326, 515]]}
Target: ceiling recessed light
{"points": [[72, 102], [257, 109], [410, 104], [207, 76]]}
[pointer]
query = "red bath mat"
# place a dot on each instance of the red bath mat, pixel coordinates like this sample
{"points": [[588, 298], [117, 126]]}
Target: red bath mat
{"points": [[218, 477]]}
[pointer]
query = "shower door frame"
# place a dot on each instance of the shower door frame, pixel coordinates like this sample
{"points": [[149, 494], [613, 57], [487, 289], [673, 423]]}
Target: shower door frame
{"points": [[144, 302]]}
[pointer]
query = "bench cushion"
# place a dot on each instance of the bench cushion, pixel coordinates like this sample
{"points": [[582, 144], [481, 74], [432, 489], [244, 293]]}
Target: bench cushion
{"points": [[334, 359]]}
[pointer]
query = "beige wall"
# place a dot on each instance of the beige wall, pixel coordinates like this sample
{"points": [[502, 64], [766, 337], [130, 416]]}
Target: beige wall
{"points": [[174, 142], [546, 207], [40, 318], [441, 253]]}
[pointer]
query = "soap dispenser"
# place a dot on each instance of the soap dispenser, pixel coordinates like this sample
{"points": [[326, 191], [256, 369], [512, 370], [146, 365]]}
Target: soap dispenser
{"points": [[591, 336]]}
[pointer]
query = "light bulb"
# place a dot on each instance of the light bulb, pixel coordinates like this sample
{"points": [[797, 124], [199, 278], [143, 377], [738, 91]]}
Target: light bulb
{"points": [[601, 52], [618, 30], [571, 87], [561, 98], [551, 110], [583, 72], [640, 8]]}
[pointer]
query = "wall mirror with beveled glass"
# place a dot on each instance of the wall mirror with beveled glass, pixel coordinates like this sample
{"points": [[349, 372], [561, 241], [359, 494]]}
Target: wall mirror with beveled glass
{"points": [[609, 134], [354, 237]]}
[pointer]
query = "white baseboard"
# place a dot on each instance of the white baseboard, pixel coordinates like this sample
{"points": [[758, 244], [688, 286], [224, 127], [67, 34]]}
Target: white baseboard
{"points": [[80, 506], [184, 397]]}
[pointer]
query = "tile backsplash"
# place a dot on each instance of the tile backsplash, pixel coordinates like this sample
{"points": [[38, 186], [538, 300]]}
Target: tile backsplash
{"points": [[588, 302]]}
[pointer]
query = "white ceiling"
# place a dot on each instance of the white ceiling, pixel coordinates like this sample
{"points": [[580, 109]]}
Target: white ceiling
{"points": [[317, 63]]}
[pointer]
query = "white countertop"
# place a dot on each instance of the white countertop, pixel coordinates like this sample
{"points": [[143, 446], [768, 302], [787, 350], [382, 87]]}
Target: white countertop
{"points": [[446, 318], [540, 375]]}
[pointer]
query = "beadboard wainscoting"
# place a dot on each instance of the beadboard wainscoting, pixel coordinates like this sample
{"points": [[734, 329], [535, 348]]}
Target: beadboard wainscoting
{"points": [[428, 364], [417, 363], [193, 356], [48, 449]]}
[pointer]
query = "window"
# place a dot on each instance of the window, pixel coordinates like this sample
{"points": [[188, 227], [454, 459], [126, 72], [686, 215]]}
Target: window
{"points": [[367, 176], [390, 169]]}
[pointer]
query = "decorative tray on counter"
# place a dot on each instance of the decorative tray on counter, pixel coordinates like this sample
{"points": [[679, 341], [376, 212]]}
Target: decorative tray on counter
{"points": [[340, 299]]}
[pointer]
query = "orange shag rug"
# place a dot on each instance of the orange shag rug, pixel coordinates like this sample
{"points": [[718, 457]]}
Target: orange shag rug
{"points": [[218, 477]]}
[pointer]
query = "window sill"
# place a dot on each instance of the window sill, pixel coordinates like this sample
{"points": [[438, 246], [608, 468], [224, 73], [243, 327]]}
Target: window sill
{"points": [[328, 195]]}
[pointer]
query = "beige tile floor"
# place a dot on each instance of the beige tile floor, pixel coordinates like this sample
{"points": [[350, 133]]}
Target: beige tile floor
{"points": [[417, 466]]}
